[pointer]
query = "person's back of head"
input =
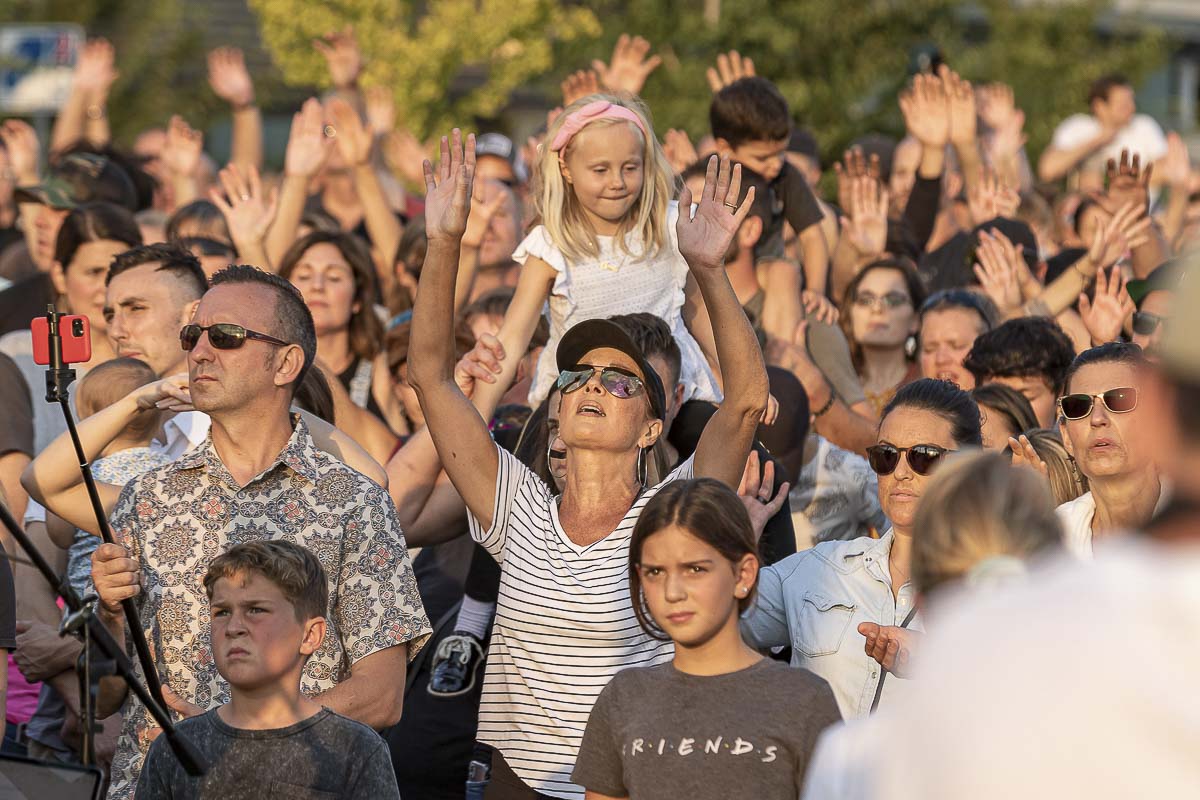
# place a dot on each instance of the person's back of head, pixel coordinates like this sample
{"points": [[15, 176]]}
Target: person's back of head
{"points": [[134, 166], [749, 109], [315, 395], [653, 337], [199, 219], [1066, 481], [979, 520], [106, 383], [1011, 411], [1027, 347]]}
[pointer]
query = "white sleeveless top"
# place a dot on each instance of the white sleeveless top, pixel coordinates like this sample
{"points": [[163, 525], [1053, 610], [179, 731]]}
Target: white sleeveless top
{"points": [[618, 283]]}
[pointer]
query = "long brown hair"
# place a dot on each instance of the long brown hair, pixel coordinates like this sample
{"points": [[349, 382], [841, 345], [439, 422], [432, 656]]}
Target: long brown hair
{"points": [[707, 509], [366, 329]]}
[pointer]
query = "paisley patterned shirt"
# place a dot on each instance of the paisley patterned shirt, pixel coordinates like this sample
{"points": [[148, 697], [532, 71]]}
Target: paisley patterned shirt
{"points": [[175, 519]]}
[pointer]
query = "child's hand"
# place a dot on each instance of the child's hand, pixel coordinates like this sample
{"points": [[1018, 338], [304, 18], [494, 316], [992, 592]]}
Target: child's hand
{"points": [[730, 67], [705, 236], [448, 190], [168, 394], [629, 67]]}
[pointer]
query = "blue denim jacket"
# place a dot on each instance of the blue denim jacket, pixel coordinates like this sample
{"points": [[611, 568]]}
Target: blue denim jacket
{"points": [[815, 600]]}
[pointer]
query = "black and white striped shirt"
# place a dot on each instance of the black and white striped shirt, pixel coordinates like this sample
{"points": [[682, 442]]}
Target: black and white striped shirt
{"points": [[564, 627]]}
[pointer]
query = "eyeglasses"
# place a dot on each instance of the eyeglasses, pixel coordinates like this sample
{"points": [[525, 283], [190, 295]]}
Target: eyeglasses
{"points": [[223, 336], [888, 301], [922, 458], [616, 381], [1145, 323], [1118, 401]]}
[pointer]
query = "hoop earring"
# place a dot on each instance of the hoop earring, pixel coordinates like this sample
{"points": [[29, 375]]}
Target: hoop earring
{"points": [[641, 467], [549, 450]]}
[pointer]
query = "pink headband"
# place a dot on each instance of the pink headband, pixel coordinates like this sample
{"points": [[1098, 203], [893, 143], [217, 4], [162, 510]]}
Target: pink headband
{"points": [[600, 109]]}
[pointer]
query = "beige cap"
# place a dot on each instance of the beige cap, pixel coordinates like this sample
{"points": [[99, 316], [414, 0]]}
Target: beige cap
{"points": [[1180, 349]]}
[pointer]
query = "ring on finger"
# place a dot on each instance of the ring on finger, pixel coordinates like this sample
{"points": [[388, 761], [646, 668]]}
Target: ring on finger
{"points": [[731, 205], [763, 500]]}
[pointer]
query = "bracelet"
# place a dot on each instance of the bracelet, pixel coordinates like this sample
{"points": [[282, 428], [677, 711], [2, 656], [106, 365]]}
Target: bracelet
{"points": [[828, 404]]}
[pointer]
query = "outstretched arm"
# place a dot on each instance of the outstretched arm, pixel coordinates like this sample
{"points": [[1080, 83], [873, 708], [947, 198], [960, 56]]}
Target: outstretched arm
{"points": [[703, 241], [459, 433]]}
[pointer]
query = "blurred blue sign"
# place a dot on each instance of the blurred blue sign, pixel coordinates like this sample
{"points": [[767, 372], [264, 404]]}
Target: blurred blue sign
{"points": [[36, 62]]}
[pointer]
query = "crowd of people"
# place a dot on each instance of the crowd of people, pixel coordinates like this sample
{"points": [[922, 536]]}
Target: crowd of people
{"points": [[610, 465]]}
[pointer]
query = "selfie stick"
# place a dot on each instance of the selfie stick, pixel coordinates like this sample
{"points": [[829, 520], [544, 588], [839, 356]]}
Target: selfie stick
{"points": [[81, 615], [59, 377]]}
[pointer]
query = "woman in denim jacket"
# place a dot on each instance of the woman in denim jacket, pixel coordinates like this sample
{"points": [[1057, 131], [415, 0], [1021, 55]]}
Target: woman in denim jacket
{"points": [[847, 609]]}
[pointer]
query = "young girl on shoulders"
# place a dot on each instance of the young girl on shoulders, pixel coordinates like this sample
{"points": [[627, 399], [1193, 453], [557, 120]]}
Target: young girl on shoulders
{"points": [[606, 243], [720, 720]]}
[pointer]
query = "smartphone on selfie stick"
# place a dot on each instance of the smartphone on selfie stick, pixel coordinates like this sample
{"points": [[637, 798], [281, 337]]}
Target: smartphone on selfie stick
{"points": [[60, 340]]}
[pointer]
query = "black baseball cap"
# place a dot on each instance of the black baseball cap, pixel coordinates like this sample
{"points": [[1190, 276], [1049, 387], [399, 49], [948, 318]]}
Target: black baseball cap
{"points": [[82, 178], [495, 144], [596, 333]]}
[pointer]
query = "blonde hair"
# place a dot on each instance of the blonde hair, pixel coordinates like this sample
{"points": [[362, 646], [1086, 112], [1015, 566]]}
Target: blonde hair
{"points": [[977, 507], [1066, 482], [559, 211], [106, 383]]}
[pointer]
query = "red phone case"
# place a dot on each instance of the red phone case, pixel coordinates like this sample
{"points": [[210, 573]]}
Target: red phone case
{"points": [[76, 332]]}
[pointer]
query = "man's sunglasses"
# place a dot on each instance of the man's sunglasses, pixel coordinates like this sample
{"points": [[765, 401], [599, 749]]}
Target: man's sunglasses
{"points": [[1145, 323], [616, 381], [922, 458], [223, 336], [1118, 401]]}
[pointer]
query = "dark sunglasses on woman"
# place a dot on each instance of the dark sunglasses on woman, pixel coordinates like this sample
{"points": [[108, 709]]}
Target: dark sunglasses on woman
{"points": [[922, 458], [1118, 401], [223, 336], [1145, 323], [616, 381]]}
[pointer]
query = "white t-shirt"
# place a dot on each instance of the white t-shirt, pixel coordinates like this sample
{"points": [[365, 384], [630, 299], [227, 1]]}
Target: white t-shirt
{"points": [[564, 626], [1142, 135], [1076, 519]]}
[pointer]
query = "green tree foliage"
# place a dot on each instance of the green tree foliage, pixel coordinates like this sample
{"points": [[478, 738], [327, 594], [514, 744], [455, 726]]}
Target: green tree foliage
{"points": [[447, 61], [160, 54], [841, 63]]}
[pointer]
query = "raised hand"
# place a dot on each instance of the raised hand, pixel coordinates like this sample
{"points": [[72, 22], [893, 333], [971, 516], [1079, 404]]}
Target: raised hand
{"points": [[755, 493], [998, 272], [1105, 314], [1119, 234], [95, 71], [991, 198], [1176, 165], [818, 306], [853, 165], [1127, 183], [482, 363], [351, 137], [960, 103], [730, 67], [381, 110], [341, 52], [181, 150], [679, 149], [448, 189], [486, 200], [307, 146], [578, 85], [998, 111], [865, 224], [926, 111], [404, 154], [21, 142], [1023, 455], [248, 213], [704, 237], [629, 68], [229, 78]]}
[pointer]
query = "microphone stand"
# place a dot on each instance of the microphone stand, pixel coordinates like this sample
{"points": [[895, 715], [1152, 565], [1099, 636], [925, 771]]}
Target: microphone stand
{"points": [[59, 377]]}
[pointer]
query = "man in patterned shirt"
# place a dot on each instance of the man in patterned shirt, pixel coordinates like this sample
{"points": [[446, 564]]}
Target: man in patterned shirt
{"points": [[257, 476]]}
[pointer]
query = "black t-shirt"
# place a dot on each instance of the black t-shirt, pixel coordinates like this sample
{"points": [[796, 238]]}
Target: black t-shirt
{"points": [[16, 410], [24, 300], [8, 607], [326, 755], [792, 199]]}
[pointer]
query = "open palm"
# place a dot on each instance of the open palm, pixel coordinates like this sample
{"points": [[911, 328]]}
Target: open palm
{"points": [[704, 237], [448, 189]]}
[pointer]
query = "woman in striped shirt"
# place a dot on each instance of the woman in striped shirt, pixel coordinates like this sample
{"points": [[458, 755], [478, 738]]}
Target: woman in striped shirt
{"points": [[564, 623]]}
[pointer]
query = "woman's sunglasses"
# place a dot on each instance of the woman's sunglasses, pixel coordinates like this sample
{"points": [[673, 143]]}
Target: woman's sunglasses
{"points": [[1118, 401], [223, 336], [615, 381], [1145, 323], [922, 458]]}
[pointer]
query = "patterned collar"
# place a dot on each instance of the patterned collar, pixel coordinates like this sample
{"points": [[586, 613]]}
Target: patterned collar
{"points": [[300, 455]]}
